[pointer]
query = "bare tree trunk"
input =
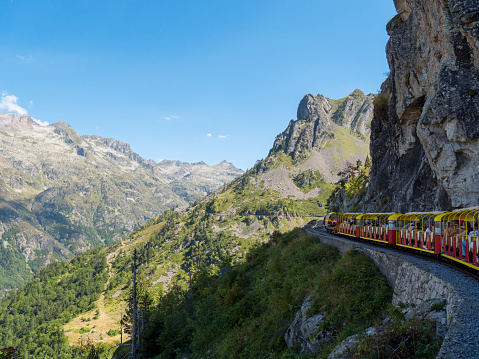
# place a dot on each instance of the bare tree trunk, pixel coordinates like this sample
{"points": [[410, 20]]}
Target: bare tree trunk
{"points": [[135, 313]]}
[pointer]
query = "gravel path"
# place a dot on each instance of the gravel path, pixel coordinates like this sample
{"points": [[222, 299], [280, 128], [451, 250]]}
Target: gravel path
{"points": [[462, 338]]}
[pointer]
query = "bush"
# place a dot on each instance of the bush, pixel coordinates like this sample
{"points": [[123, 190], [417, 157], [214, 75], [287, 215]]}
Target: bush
{"points": [[113, 332], [404, 339], [84, 330]]}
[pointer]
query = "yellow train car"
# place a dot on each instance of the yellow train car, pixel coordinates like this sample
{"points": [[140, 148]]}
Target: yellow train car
{"points": [[460, 236]]}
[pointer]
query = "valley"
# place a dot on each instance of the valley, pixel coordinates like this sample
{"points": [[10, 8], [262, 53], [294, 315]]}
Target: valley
{"points": [[62, 193]]}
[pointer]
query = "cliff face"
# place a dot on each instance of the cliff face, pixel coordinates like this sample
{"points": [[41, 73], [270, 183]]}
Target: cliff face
{"points": [[425, 134]]}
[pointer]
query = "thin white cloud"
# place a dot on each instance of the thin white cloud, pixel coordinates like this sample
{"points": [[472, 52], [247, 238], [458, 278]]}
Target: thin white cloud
{"points": [[171, 117], [222, 136], [30, 104], [41, 123], [24, 59], [209, 134], [9, 103]]}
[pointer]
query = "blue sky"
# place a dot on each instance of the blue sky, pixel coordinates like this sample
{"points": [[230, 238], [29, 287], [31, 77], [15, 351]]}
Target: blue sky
{"points": [[187, 80]]}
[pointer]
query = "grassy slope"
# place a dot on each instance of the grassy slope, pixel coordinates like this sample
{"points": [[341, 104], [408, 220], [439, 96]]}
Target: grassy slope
{"points": [[245, 313]]}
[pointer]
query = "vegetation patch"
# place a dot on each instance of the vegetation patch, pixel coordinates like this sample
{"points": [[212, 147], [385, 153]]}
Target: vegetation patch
{"points": [[84, 330], [113, 332], [415, 338], [245, 312], [353, 296], [309, 180]]}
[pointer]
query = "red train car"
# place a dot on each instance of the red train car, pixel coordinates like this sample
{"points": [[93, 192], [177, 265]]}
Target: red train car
{"points": [[451, 236]]}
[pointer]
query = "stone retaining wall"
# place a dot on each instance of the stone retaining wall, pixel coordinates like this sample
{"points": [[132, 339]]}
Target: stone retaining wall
{"points": [[414, 283]]}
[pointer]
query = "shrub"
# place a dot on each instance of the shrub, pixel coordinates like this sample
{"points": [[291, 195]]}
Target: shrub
{"points": [[404, 339], [381, 104], [84, 330], [113, 332]]}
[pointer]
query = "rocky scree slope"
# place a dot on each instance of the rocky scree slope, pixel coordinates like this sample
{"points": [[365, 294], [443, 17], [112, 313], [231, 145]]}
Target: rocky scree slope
{"points": [[425, 134], [62, 193]]}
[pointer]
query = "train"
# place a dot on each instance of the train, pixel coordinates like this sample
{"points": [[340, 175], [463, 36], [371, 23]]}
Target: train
{"points": [[451, 236]]}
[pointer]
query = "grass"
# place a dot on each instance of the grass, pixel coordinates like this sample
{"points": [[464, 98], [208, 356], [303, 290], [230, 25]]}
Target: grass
{"points": [[102, 319], [344, 148], [244, 313]]}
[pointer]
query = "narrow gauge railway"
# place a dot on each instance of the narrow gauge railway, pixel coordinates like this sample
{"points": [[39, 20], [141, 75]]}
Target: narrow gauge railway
{"points": [[449, 236]]}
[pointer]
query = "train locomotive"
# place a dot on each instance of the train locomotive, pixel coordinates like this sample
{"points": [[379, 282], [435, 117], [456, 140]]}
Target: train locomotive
{"points": [[451, 236]]}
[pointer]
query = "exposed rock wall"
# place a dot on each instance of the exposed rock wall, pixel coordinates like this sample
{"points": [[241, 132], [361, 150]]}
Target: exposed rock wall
{"points": [[425, 134], [315, 119]]}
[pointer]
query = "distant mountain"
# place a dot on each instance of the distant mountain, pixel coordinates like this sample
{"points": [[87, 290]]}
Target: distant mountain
{"points": [[62, 193]]}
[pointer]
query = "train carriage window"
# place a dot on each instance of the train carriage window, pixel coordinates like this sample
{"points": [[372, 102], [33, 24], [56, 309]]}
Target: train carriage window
{"points": [[438, 228]]}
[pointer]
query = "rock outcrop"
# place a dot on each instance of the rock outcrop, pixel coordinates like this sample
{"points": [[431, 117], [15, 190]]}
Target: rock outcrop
{"points": [[305, 330], [425, 134], [327, 133]]}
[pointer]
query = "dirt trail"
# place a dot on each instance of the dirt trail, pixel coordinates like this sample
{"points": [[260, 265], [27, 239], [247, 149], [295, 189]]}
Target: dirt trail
{"points": [[107, 318]]}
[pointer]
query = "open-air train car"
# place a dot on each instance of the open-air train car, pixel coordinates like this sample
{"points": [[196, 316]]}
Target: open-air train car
{"points": [[451, 235]]}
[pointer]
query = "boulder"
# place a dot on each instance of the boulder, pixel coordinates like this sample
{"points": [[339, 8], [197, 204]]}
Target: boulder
{"points": [[305, 330]]}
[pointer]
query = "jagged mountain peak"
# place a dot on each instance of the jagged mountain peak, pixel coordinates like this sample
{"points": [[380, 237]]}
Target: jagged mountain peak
{"points": [[17, 122], [62, 125], [320, 120], [311, 107]]}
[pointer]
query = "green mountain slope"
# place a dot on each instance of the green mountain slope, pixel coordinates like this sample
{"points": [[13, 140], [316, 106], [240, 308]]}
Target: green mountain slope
{"points": [[245, 312], [281, 192]]}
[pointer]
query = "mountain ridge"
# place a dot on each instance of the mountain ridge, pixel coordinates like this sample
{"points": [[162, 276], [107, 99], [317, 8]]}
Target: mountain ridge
{"points": [[64, 193]]}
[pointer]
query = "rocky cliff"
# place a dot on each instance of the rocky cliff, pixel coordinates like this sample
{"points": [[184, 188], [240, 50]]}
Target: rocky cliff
{"points": [[425, 134], [62, 193], [326, 134]]}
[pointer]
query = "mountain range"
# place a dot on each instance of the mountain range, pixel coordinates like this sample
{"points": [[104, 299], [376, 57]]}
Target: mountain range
{"points": [[62, 193], [99, 178]]}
